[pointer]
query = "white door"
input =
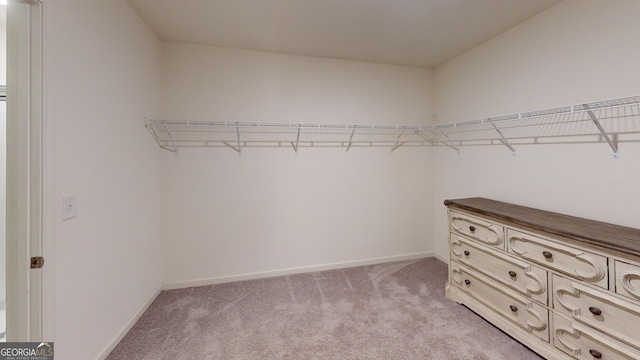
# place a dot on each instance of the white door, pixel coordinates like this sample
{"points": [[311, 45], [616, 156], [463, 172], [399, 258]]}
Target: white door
{"points": [[24, 170]]}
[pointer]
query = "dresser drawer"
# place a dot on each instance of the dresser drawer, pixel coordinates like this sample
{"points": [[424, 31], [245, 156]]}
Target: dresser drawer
{"points": [[518, 310], [579, 264], [481, 230], [520, 276], [598, 309], [628, 280], [584, 343]]}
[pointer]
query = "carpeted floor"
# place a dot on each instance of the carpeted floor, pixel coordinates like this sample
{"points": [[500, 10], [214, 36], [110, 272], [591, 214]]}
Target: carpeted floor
{"points": [[387, 311]]}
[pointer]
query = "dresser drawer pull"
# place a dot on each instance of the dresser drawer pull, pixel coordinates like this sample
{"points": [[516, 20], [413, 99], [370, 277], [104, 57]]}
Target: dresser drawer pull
{"points": [[513, 308], [596, 354], [466, 253], [472, 228], [547, 255], [595, 311], [467, 281], [513, 274]]}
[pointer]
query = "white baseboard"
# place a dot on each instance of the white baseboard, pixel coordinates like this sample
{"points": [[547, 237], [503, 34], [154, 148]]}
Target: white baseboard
{"points": [[257, 275], [128, 327], [296, 270], [442, 258]]}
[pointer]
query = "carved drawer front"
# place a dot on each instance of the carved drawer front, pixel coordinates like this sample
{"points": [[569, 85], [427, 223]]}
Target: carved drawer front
{"points": [[598, 309], [579, 264], [628, 280], [483, 231], [520, 311], [528, 280], [584, 343]]}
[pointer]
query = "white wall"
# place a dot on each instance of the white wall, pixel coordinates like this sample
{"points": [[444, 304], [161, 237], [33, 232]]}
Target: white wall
{"points": [[102, 73], [268, 210], [577, 51]]}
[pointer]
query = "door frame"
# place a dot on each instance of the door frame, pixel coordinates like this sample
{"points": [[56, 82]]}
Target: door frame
{"points": [[24, 169]]}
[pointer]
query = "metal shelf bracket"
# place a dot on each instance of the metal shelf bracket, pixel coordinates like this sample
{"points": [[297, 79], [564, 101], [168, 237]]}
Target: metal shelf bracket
{"points": [[398, 144], [295, 146], [449, 140], [504, 139], [173, 144], [350, 140], [237, 149], [238, 133], [425, 137], [594, 118]]}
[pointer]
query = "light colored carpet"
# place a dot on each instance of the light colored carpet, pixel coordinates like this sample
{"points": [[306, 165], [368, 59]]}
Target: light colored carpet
{"points": [[387, 311]]}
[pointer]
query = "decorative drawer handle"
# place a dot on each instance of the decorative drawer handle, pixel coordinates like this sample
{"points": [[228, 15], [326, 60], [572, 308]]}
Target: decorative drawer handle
{"points": [[467, 281], [513, 308], [472, 228], [596, 354], [466, 253], [512, 274], [547, 255], [595, 311]]}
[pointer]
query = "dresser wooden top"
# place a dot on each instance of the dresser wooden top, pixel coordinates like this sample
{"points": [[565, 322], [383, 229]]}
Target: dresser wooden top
{"points": [[609, 236]]}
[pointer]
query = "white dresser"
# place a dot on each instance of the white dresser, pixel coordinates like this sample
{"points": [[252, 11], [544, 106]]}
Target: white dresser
{"points": [[566, 287]]}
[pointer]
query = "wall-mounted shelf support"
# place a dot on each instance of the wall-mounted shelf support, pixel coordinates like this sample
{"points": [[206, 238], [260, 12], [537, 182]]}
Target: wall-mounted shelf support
{"points": [[232, 147], [237, 149], [425, 137], [295, 147], [238, 133], [173, 144], [398, 144], [350, 140], [504, 139], [593, 117], [448, 141]]}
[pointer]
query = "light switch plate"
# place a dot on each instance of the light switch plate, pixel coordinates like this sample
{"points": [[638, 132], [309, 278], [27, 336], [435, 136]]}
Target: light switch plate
{"points": [[69, 206]]}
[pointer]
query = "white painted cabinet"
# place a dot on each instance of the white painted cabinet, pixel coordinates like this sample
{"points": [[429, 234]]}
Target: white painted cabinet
{"points": [[568, 288]]}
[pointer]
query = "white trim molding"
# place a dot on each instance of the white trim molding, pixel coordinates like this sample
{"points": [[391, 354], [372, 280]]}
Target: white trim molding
{"points": [[24, 169], [125, 330], [295, 270]]}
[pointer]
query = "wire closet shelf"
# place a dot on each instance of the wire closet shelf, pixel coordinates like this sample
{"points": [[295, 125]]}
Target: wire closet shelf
{"points": [[609, 121]]}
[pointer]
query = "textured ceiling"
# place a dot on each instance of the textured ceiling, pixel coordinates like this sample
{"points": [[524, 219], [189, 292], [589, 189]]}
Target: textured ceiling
{"points": [[405, 32]]}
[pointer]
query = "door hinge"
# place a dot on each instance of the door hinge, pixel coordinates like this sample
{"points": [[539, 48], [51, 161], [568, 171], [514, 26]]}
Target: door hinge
{"points": [[37, 262]]}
